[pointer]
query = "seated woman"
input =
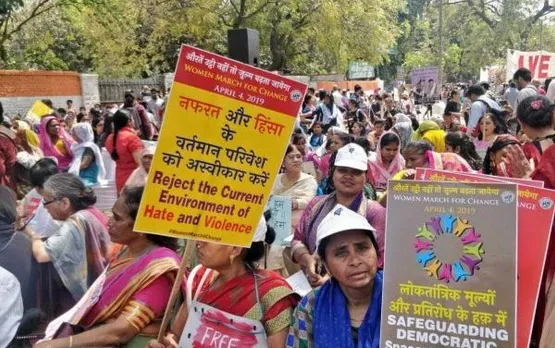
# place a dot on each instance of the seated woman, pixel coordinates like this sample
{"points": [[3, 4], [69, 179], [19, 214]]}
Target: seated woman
{"points": [[87, 161], [133, 290], [55, 142], [300, 188], [461, 144], [388, 161], [79, 250], [348, 176], [431, 132], [498, 155], [229, 281], [419, 154], [346, 310]]}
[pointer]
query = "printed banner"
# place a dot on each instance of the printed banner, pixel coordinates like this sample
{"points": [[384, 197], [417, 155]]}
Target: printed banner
{"points": [[425, 82], [451, 266], [222, 142], [540, 63], [535, 218]]}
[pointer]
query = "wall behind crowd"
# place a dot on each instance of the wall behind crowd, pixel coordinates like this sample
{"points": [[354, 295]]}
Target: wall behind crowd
{"points": [[20, 89]]}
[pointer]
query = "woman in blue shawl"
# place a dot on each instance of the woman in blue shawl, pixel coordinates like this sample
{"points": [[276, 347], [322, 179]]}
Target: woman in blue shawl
{"points": [[346, 310]]}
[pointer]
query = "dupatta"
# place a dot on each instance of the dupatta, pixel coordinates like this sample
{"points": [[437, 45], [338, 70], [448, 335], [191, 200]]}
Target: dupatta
{"points": [[332, 323], [378, 173], [49, 149], [85, 133], [447, 161]]}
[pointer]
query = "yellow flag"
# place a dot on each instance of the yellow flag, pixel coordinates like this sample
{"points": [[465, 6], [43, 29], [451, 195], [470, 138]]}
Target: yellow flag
{"points": [[38, 111]]}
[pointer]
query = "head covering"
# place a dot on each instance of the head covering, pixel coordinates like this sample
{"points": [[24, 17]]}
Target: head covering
{"points": [[341, 219], [404, 131], [85, 133], [23, 125], [352, 156], [379, 174], [261, 229], [49, 149], [425, 126], [400, 117], [32, 138], [500, 142], [8, 205], [149, 147]]}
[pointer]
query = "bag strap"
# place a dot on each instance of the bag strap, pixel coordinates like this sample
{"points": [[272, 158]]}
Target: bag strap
{"points": [[190, 279]]}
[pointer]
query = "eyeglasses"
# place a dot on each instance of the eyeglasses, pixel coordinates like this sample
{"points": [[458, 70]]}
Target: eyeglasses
{"points": [[45, 203]]}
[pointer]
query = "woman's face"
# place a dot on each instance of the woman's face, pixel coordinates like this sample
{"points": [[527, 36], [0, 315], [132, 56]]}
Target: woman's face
{"points": [[99, 128], [59, 208], [293, 161], [312, 101], [357, 130], [327, 100], [301, 146], [120, 225], [215, 256], [15, 126], [414, 159], [317, 130], [487, 127], [349, 181], [389, 152], [146, 162], [499, 156], [336, 143], [53, 127], [351, 259]]}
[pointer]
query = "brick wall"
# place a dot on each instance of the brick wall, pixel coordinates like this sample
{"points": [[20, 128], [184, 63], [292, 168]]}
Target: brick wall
{"points": [[20, 89]]}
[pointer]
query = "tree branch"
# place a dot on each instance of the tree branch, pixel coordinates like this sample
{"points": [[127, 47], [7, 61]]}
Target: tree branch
{"points": [[481, 14], [35, 13], [259, 9]]}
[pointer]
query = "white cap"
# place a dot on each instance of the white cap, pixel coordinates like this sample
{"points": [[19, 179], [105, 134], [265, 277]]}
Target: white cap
{"points": [[341, 219], [261, 229], [352, 156]]}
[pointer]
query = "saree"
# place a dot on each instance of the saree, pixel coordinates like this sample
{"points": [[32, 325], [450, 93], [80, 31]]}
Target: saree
{"points": [[137, 288], [320, 206], [237, 296], [322, 319], [378, 174], [79, 250], [50, 149], [447, 161]]}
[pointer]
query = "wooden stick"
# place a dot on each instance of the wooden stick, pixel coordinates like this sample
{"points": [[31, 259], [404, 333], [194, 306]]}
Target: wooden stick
{"points": [[176, 288]]}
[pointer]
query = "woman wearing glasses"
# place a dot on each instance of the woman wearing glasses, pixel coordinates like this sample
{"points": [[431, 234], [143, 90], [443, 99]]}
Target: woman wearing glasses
{"points": [[78, 251]]}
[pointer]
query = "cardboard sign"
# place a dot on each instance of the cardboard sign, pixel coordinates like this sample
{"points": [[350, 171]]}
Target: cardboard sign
{"points": [[221, 144], [280, 206], [38, 111], [535, 217], [540, 63], [451, 267]]}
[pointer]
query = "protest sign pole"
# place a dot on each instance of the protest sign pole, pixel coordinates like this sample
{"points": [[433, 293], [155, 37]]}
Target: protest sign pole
{"points": [[176, 287]]}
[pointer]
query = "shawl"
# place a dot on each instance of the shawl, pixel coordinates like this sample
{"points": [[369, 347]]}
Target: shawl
{"points": [[404, 131], [400, 118], [378, 173], [84, 132], [79, 250], [49, 149], [447, 161], [430, 131], [139, 176], [332, 322]]}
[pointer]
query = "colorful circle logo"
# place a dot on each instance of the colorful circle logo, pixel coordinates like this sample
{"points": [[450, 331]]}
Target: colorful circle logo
{"points": [[448, 248]]}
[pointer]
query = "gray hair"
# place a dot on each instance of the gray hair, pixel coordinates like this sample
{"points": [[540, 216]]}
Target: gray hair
{"points": [[65, 185]]}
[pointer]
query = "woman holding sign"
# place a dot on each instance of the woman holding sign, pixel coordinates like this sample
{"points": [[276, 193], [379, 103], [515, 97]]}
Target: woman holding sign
{"points": [[232, 303], [346, 310], [348, 176], [124, 303]]}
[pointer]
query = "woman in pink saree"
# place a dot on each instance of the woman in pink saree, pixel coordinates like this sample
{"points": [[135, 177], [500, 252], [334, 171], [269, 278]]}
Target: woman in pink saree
{"points": [[388, 161], [124, 305], [56, 142]]}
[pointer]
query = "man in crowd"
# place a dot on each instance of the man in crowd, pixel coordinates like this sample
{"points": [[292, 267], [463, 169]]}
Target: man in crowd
{"points": [[481, 103], [523, 78], [511, 94], [155, 106], [141, 122]]}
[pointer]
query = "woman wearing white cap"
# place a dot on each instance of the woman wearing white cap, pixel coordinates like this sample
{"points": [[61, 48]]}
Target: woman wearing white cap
{"points": [[349, 177], [346, 311], [226, 284]]}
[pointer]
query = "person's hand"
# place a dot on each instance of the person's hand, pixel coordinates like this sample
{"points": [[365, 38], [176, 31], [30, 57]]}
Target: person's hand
{"points": [[409, 174], [170, 341], [20, 215], [515, 164], [308, 263]]}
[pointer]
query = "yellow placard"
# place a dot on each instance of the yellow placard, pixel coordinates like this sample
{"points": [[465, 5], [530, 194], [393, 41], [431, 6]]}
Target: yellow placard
{"points": [[216, 160], [38, 111]]}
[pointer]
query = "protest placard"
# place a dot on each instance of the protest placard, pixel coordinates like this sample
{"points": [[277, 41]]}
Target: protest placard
{"points": [[38, 111], [535, 218], [221, 145], [451, 274], [280, 208]]}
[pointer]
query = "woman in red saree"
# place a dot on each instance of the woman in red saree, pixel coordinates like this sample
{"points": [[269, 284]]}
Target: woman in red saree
{"points": [[125, 303], [229, 281]]}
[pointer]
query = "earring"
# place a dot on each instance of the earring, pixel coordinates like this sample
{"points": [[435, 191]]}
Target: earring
{"points": [[231, 259]]}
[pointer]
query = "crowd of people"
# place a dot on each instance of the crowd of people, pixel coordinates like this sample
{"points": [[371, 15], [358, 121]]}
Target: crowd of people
{"points": [[345, 149]]}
